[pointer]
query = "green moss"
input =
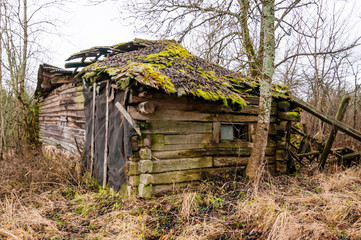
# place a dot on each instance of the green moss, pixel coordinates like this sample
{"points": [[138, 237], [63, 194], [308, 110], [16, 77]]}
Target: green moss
{"points": [[189, 67], [151, 77], [171, 55], [280, 91], [293, 114], [173, 50], [152, 70], [120, 44]]}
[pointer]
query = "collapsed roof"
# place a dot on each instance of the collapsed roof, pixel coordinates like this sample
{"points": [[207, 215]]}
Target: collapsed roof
{"points": [[51, 77]]}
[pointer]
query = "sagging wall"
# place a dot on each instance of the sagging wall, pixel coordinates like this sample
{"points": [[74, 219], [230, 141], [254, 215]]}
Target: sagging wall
{"points": [[62, 119], [181, 141]]}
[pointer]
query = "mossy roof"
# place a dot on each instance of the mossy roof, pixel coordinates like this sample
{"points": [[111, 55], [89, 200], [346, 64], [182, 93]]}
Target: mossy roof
{"points": [[166, 65]]}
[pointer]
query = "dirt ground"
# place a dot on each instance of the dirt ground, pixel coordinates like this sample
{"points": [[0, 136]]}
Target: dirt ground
{"points": [[48, 199]]}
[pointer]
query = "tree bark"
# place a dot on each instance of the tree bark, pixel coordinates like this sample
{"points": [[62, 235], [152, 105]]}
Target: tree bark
{"points": [[259, 148]]}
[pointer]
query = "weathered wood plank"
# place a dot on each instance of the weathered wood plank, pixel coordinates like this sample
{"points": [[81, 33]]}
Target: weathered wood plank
{"points": [[178, 127], [193, 141], [78, 113], [63, 102], [178, 115], [59, 118], [188, 175], [131, 168], [59, 91], [181, 164], [342, 127], [188, 139], [339, 116], [183, 146], [188, 153], [240, 161], [62, 88], [189, 104], [70, 107], [216, 132], [128, 117], [56, 128]]}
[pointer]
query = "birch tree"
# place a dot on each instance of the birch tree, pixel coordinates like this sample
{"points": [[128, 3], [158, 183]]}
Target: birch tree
{"points": [[268, 31], [23, 26]]}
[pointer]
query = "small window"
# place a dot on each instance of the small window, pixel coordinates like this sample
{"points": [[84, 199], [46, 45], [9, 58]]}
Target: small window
{"points": [[234, 132]]}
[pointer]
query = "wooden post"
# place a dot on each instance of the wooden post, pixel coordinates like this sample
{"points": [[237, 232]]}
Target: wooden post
{"points": [[105, 168], [339, 116], [92, 135]]}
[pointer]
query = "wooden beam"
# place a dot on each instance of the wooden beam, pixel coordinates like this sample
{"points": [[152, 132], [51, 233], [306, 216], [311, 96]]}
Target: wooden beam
{"points": [[339, 116], [105, 167], [351, 155], [92, 134], [77, 64], [342, 127], [127, 116]]}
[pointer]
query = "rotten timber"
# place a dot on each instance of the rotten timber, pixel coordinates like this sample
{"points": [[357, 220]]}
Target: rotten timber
{"points": [[339, 125], [339, 116], [105, 167]]}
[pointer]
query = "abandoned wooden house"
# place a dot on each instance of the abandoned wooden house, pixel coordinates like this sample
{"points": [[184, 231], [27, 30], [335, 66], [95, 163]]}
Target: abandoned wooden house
{"points": [[152, 116]]}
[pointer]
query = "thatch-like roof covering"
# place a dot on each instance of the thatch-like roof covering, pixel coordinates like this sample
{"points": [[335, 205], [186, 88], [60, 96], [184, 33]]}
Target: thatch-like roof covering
{"points": [[165, 65]]}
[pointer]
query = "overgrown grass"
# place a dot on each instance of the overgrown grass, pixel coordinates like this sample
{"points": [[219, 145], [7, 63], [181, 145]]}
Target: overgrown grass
{"points": [[45, 199]]}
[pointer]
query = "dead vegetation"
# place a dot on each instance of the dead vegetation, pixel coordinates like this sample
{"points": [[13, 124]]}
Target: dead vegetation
{"points": [[43, 199]]}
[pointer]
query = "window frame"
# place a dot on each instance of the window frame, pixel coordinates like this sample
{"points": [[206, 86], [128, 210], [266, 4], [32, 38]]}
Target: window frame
{"points": [[244, 127]]}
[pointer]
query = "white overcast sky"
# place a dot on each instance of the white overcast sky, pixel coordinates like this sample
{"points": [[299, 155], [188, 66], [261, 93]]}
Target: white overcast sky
{"points": [[86, 26]]}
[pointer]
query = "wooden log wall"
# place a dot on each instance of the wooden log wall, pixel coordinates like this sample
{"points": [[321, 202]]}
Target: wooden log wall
{"points": [[62, 119], [180, 140]]}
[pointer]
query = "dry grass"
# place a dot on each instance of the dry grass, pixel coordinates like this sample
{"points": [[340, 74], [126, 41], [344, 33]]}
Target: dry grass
{"points": [[44, 199]]}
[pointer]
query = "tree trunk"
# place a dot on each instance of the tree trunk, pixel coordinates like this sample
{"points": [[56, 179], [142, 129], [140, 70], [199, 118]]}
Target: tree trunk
{"points": [[259, 148]]}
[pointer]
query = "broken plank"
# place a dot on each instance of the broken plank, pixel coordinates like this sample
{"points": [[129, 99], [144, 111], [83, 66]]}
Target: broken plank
{"points": [[342, 127], [339, 116]]}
